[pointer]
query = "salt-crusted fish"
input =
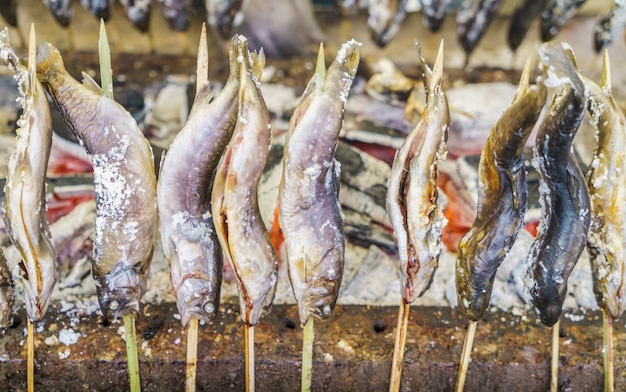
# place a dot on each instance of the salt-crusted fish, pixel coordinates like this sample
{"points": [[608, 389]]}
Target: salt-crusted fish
{"points": [[412, 196], [176, 13], [434, 13], [61, 9], [606, 179], [609, 26], [125, 183], [521, 20], [184, 196], [238, 222], [502, 199], [101, 9], [565, 207], [6, 294], [25, 190], [310, 212], [385, 17], [138, 12], [472, 19], [554, 16]]}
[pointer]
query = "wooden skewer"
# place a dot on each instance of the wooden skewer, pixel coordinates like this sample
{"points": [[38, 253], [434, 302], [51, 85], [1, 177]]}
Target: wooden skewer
{"points": [[465, 356], [131, 352], [607, 353], [30, 377], [308, 335], [192, 355], [398, 349], [249, 342], [554, 368]]}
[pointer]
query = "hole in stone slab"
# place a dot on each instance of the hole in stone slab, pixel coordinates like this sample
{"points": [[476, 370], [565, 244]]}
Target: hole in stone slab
{"points": [[290, 324], [379, 326]]}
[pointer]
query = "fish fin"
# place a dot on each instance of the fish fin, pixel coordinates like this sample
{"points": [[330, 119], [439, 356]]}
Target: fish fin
{"points": [[524, 81], [104, 52], [257, 63], [426, 71], [320, 68], [437, 72], [91, 84], [202, 63]]}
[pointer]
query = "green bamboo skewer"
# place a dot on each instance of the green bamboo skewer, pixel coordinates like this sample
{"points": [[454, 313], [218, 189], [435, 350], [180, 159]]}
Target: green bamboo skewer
{"points": [[106, 77], [308, 334]]}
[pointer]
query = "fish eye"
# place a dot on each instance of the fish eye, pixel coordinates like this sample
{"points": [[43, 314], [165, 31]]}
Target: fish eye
{"points": [[208, 307], [326, 310], [114, 305]]}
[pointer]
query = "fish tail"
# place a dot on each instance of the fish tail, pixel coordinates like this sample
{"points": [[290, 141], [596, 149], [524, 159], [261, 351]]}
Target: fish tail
{"points": [[257, 63], [49, 62]]}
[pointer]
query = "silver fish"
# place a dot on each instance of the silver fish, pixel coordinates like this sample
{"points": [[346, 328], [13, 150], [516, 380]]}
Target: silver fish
{"points": [[412, 196], [473, 18], [434, 13], [238, 222], [61, 9], [125, 183], [184, 196], [554, 16], [609, 26], [385, 17], [25, 190], [310, 213]]}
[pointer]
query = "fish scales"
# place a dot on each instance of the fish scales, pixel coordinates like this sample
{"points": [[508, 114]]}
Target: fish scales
{"points": [[502, 200], [186, 178], [238, 222], [412, 195], [25, 188], [310, 213], [125, 183], [562, 231]]}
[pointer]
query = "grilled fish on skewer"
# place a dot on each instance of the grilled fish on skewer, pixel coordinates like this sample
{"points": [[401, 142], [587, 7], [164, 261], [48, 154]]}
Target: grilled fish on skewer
{"points": [[238, 223], [473, 19], [412, 197], [606, 180], [6, 294], [562, 233], [61, 9], [554, 16], [125, 183], [522, 18], [184, 196], [502, 195], [310, 213], [25, 190], [385, 17]]}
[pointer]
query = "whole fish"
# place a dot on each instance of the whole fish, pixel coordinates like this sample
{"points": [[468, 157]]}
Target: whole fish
{"points": [[6, 294], [61, 9], [310, 212], [412, 196], [606, 179], [184, 196], [565, 207], [554, 16], [25, 189], [125, 183], [434, 13], [238, 222], [176, 13], [502, 199], [609, 26], [385, 17], [101, 9], [472, 20], [521, 20], [138, 12]]}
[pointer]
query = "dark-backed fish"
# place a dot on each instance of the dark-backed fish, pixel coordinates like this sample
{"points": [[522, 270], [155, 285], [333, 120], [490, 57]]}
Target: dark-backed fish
{"points": [[310, 212], [502, 199], [521, 20], [472, 20], [609, 26], [385, 17], [61, 9], [412, 195], [138, 12], [25, 190], [101, 9], [434, 13], [565, 207], [176, 13], [125, 183], [554, 16]]}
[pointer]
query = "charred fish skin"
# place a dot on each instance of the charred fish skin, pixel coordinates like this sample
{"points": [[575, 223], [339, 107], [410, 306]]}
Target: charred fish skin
{"points": [[606, 179], [412, 196], [562, 232], [502, 195], [554, 16], [25, 189], [472, 19], [238, 222], [125, 183], [434, 13], [385, 17], [522, 19], [7, 296], [310, 213], [62, 10], [184, 196]]}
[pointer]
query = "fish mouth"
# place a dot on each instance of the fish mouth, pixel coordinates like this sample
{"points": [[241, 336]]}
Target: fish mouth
{"points": [[193, 301], [118, 302]]}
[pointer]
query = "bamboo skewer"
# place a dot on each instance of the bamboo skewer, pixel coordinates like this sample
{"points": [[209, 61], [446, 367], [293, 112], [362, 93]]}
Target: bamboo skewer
{"points": [[607, 352], [398, 350], [554, 363], [308, 334], [465, 356], [249, 352], [192, 355], [30, 377]]}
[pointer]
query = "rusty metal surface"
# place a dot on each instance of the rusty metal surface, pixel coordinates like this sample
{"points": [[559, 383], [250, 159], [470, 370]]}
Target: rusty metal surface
{"points": [[352, 352]]}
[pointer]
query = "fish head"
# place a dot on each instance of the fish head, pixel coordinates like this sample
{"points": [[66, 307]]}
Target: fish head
{"points": [[197, 297], [321, 299], [119, 292]]}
